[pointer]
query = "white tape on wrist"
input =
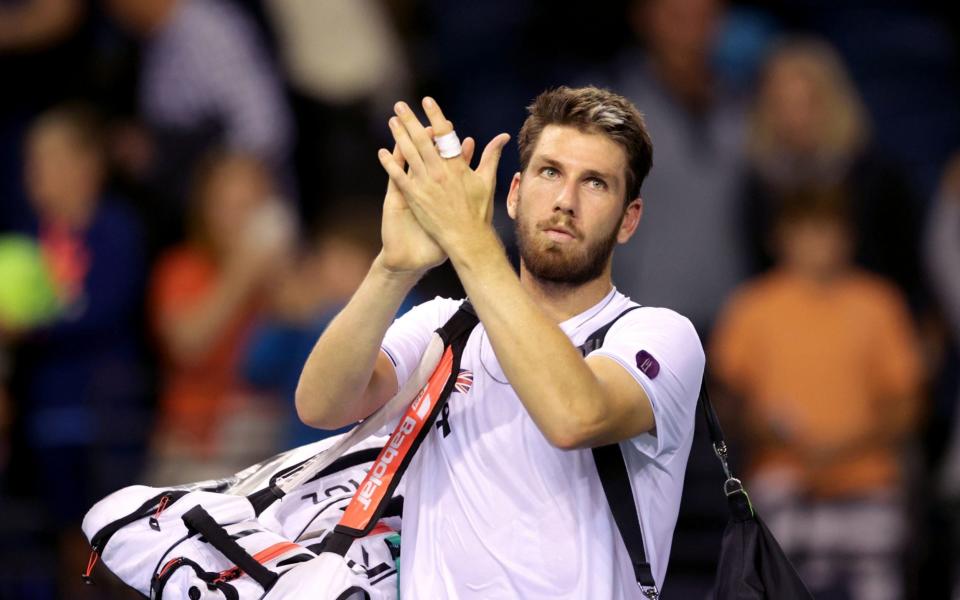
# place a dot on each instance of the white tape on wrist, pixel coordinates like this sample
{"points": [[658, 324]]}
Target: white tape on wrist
{"points": [[448, 145]]}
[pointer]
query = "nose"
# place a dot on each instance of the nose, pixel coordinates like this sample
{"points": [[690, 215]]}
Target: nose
{"points": [[567, 201]]}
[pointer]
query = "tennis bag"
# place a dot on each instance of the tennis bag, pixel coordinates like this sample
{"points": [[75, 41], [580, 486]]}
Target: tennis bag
{"points": [[318, 522]]}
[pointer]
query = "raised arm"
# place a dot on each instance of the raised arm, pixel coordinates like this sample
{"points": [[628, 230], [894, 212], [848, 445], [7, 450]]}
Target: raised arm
{"points": [[347, 377]]}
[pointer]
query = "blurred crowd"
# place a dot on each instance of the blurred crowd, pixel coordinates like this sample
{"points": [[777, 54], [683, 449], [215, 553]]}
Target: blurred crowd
{"points": [[189, 191]]}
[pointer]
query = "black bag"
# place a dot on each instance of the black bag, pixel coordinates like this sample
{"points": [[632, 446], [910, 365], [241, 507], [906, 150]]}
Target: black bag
{"points": [[752, 566]]}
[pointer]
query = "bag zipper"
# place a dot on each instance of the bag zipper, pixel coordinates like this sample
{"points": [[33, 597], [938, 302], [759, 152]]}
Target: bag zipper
{"points": [[155, 505]]}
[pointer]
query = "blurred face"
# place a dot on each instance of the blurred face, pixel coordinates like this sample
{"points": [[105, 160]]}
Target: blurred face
{"points": [[62, 177], [815, 247], [789, 95], [231, 197], [678, 29], [568, 206]]}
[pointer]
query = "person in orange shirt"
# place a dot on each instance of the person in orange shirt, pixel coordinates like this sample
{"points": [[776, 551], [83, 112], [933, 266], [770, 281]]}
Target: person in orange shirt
{"points": [[825, 363], [205, 296]]}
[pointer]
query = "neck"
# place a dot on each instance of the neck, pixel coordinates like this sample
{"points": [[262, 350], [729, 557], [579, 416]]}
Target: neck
{"points": [[561, 301], [823, 277], [77, 215]]}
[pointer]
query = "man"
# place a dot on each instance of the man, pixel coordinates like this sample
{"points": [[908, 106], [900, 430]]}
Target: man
{"points": [[698, 124], [503, 500]]}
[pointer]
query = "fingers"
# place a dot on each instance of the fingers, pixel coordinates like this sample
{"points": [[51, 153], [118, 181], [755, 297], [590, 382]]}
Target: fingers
{"points": [[419, 137], [466, 150], [442, 126], [398, 176], [397, 157], [407, 147], [491, 157]]}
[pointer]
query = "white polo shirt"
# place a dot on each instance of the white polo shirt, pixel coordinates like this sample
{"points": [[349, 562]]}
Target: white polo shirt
{"points": [[492, 510]]}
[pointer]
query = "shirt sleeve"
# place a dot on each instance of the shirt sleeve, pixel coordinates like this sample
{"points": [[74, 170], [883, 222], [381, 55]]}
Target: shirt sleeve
{"points": [[408, 337], [662, 351]]}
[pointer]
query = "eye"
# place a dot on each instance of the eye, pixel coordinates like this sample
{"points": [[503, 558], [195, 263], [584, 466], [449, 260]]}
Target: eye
{"points": [[549, 172], [597, 184]]}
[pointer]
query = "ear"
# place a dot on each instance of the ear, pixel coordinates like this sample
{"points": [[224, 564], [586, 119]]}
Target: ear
{"points": [[513, 196], [631, 219]]}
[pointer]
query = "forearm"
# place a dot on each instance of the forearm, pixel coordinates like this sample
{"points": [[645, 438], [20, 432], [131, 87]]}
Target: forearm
{"points": [[548, 373], [338, 385]]}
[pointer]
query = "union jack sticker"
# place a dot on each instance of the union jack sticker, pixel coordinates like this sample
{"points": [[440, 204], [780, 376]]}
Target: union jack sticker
{"points": [[464, 381]]}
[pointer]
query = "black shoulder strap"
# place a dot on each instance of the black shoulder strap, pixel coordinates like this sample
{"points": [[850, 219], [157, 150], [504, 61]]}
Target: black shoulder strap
{"points": [[616, 485], [615, 478]]}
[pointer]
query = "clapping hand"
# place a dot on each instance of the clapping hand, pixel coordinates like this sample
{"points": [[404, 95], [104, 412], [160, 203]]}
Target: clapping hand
{"points": [[450, 201]]}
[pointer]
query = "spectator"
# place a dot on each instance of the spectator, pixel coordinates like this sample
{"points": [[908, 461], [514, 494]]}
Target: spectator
{"points": [[205, 81], [79, 384], [825, 364], [693, 191], [36, 36], [305, 301], [809, 129], [205, 295]]}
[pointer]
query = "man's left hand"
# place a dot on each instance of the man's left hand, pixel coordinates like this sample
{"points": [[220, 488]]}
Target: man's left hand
{"points": [[452, 202]]}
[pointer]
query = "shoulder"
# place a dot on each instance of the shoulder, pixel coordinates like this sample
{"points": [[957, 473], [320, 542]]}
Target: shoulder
{"points": [[658, 325], [759, 293], [873, 290], [654, 318]]}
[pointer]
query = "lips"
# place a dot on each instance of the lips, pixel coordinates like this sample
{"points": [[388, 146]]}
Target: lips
{"points": [[559, 233]]}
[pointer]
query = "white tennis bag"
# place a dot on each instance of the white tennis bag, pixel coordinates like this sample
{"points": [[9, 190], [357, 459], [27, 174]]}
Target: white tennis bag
{"points": [[318, 522], [179, 542]]}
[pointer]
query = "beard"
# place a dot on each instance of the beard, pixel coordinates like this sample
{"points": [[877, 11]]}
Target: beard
{"points": [[555, 263]]}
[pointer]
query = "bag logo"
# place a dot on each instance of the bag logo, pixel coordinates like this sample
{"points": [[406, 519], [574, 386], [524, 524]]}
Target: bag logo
{"points": [[422, 404], [375, 484]]}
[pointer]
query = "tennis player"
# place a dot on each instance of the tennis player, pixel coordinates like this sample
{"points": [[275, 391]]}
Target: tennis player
{"points": [[503, 499]]}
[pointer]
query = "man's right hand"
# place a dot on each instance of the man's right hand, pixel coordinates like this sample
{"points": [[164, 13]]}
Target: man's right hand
{"points": [[407, 248]]}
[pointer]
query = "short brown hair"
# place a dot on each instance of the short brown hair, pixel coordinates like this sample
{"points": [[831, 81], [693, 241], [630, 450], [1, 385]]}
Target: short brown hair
{"points": [[592, 110]]}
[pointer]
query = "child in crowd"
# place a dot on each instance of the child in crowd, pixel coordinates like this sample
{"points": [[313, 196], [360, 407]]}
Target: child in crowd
{"points": [[825, 362], [310, 294], [205, 297]]}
